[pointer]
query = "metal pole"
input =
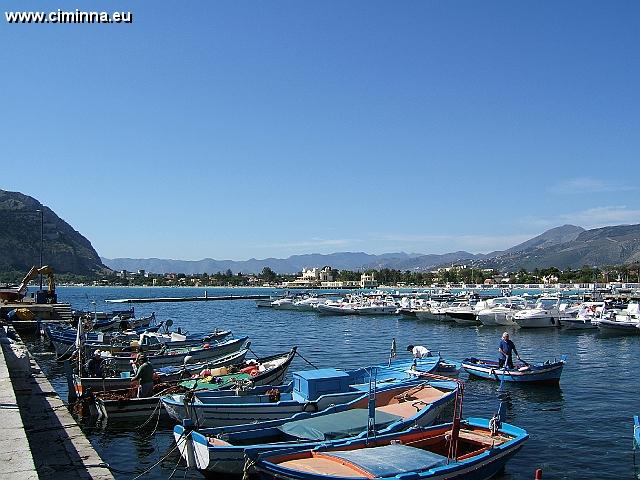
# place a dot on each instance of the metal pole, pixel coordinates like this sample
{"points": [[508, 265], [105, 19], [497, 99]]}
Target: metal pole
{"points": [[41, 241]]}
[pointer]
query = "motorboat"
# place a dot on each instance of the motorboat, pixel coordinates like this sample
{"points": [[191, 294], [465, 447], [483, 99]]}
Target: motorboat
{"points": [[544, 314], [500, 311], [587, 317]]}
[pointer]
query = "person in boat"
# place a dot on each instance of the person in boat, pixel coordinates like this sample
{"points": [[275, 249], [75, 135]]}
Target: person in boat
{"points": [[144, 376], [418, 351], [505, 351], [94, 366]]}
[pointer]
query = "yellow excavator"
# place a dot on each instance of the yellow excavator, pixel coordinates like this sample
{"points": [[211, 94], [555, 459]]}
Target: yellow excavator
{"points": [[16, 294]]}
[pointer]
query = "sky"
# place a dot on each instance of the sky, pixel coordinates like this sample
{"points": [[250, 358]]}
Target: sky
{"points": [[237, 129]]}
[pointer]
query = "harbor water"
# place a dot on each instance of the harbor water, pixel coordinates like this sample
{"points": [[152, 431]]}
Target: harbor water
{"points": [[579, 429]]}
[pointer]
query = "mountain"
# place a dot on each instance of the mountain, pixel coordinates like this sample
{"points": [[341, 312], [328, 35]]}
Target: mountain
{"points": [[292, 264], [555, 236], [614, 245], [562, 247], [64, 249]]}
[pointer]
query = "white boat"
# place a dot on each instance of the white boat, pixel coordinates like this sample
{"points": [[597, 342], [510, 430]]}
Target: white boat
{"points": [[501, 310], [308, 304], [544, 314], [337, 308], [286, 303], [587, 317], [462, 313], [621, 327], [376, 308]]}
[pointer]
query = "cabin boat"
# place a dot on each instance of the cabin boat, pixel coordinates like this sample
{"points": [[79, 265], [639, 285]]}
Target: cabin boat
{"points": [[314, 390], [544, 314]]}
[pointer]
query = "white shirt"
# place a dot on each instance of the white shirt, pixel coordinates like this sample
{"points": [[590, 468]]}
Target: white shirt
{"points": [[420, 352]]}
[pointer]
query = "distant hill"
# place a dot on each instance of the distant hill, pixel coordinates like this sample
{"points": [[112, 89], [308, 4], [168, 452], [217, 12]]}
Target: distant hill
{"points": [[341, 260], [555, 236], [292, 264], [565, 246], [615, 245], [66, 250]]}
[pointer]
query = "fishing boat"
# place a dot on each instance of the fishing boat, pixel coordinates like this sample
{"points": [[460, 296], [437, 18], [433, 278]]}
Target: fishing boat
{"points": [[165, 375], [547, 372], [472, 449], [636, 432], [222, 450], [314, 390], [122, 362], [270, 370]]}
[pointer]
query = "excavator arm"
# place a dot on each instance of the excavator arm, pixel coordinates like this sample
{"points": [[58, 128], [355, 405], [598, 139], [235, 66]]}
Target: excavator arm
{"points": [[34, 272]]}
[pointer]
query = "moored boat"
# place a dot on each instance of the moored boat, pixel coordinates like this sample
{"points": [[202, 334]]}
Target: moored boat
{"points": [[314, 390], [480, 451], [222, 450], [269, 370], [547, 372]]}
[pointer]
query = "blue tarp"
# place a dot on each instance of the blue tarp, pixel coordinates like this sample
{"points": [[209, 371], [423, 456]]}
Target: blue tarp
{"points": [[336, 425], [391, 460]]}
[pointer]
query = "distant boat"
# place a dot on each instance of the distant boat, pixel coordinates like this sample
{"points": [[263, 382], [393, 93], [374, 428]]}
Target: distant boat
{"points": [[547, 372], [419, 453], [544, 314]]}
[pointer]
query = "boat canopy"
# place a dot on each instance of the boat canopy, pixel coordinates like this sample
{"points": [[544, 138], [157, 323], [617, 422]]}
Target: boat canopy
{"points": [[391, 460], [336, 425]]}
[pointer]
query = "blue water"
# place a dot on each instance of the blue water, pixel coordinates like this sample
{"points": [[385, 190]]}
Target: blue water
{"points": [[581, 429]]}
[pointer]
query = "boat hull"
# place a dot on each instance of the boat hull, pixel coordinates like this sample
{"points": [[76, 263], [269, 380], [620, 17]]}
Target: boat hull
{"points": [[544, 373], [483, 465], [619, 328], [219, 456]]}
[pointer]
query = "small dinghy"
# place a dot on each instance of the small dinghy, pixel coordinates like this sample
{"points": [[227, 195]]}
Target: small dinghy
{"points": [[547, 372]]}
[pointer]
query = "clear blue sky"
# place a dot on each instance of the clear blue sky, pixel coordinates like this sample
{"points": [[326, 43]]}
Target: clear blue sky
{"points": [[253, 129]]}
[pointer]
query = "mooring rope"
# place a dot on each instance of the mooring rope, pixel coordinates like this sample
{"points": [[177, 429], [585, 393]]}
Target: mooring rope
{"points": [[300, 355]]}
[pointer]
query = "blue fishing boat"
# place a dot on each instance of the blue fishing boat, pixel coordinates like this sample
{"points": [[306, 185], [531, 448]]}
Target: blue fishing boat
{"points": [[222, 450], [314, 390], [547, 372], [480, 451], [636, 432]]}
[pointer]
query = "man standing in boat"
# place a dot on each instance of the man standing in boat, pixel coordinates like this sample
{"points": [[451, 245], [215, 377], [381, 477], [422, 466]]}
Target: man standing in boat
{"points": [[144, 375], [506, 348]]}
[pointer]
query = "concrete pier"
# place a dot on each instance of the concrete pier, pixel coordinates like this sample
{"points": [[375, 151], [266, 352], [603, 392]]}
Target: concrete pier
{"points": [[40, 438], [206, 298]]}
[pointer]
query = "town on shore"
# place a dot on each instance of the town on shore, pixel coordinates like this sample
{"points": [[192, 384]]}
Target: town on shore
{"points": [[455, 276]]}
